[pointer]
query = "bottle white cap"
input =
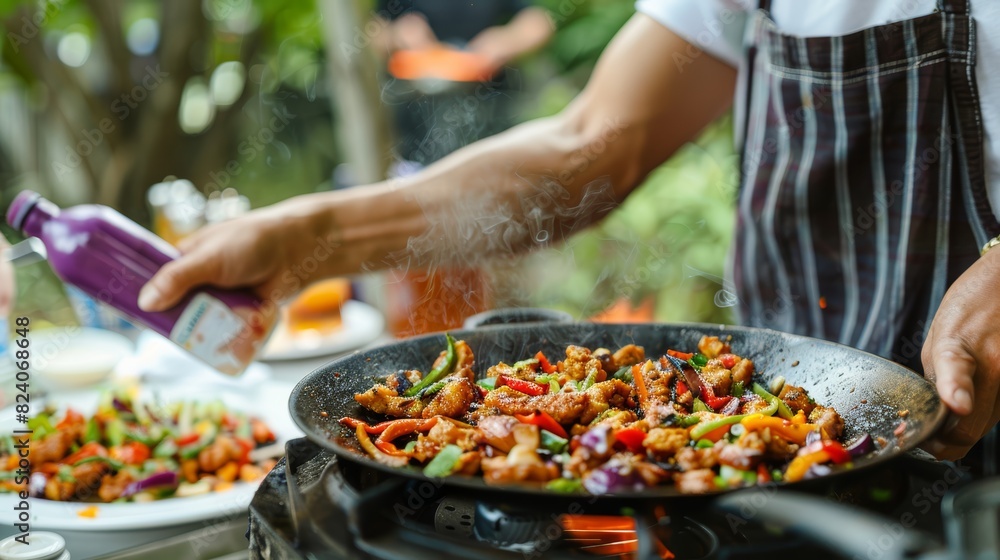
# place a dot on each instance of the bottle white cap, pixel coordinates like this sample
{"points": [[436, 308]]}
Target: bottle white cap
{"points": [[42, 545]]}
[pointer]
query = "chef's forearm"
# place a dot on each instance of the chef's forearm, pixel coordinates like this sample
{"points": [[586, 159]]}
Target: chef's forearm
{"points": [[540, 181]]}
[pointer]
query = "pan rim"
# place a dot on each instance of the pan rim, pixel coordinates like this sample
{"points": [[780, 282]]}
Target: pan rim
{"points": [[933, 424]]}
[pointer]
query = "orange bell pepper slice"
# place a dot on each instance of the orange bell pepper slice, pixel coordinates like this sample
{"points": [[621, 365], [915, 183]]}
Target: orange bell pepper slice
{"points": [[795, 433]]}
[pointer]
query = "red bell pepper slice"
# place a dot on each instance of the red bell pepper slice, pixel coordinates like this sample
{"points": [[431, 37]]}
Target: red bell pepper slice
{"points": [[834, 449], [544, 421], [398, 428], [186, 439], [763, 474], [246, 446], [71, 419], [632, 439], [714, 402], [130, 453], [680, 355], [681, 388], [522, 386], [90, 449], [729, 360], [390, 449], [544, 363], [353, 424]]}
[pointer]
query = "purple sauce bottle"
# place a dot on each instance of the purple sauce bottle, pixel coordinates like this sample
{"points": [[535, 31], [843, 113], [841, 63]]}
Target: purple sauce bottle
{"points": [[110, 258]]}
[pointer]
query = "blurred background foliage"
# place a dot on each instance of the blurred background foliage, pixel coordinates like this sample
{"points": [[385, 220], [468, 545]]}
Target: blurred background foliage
{"points": [[227, 66]]}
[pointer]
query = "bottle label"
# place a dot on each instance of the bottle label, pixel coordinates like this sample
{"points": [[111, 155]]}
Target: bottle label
{"points": [[208, 329]]}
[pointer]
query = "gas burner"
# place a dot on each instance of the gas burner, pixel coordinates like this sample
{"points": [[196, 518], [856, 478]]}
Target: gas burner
{"points": [[314, 506]]}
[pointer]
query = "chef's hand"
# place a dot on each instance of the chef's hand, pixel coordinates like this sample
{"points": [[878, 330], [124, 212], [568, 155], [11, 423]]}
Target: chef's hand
{"points": [[264, 250], [7, 288], [962, 356]]}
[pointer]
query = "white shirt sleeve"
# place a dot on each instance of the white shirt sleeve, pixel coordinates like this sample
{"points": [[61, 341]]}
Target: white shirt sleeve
{"points": [[715, 26]]}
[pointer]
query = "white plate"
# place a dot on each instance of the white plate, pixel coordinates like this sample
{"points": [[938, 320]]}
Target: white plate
{"points": [[64, 516], [362, 324]]}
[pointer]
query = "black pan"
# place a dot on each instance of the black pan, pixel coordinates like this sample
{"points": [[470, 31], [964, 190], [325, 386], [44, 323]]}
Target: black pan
{"points": [[869, 392]]}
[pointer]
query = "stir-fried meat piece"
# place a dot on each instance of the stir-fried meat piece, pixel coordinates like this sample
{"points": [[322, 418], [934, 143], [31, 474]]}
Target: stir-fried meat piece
{"points": [[797, 399], [522, 464], [650, 473], [745, 453], [51, 448], [444, 433], [629, 355], [607, 360], [565, 408], [664, 443], [613, 393], [695, 482], [467, 373], [510, 371], [717, 376], [579, 364], [712, 347], [830, 423], [658, 379], [625, 464], [83, 484], [464, 358], [691, 458], [743, 372], [753, 404], [626, 356], [616, 419], [383, 400], [453, 399], [112, 486], [498, 431], [778, 449], [403, 380], [223, 450], [468, 463]]}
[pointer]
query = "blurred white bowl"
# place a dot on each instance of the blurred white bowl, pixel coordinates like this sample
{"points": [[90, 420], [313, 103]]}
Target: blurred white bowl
{"points": [[69, 357]]}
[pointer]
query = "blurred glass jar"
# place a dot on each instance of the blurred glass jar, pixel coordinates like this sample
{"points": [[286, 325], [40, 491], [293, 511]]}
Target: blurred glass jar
{"points": [[225, 205], [178, 209]]}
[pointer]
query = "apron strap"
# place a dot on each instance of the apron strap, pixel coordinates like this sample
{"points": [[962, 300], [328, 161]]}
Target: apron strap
{"points": [[959, 7]]}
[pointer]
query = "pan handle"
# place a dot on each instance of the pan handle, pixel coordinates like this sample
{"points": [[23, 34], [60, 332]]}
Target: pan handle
{"points": [[516, 315], [849, 531]]}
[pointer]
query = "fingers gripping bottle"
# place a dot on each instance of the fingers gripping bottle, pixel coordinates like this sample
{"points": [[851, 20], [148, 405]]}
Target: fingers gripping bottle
{"points": [[110, 258]]}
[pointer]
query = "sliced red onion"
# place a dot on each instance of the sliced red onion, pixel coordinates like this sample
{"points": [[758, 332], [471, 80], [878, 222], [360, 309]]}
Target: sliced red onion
{"points": [[120, 405], [36, 485], [816, 471], [167, 479], [863, 445], [597, 439], [813, 437], [608, 479]]}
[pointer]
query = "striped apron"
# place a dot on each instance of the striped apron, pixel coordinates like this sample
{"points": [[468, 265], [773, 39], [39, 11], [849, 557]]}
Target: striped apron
{"points": [[863, 194]]}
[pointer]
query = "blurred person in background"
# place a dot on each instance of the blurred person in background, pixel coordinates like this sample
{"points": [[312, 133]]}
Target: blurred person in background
{"points": [[462, 47], [870, 179]]}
